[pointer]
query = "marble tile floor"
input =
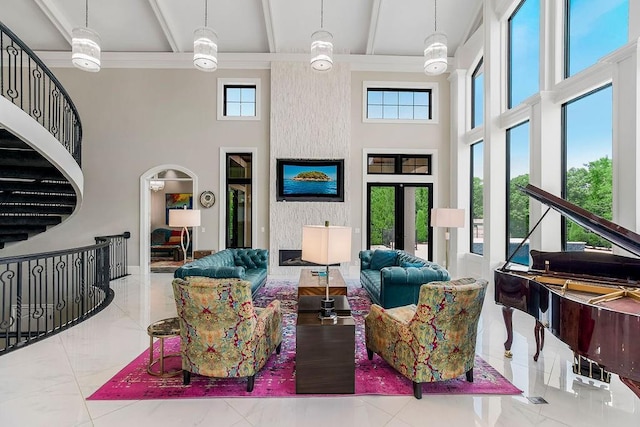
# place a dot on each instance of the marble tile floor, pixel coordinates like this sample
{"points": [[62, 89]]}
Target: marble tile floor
{"points": [[47, 383]]}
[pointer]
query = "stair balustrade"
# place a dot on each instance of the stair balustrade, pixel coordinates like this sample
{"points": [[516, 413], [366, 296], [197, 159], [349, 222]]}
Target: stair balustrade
{"points": [[43, 294]]}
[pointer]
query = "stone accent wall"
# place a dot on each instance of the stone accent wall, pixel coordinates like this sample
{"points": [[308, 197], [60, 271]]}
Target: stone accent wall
{"points": [[310, 119]]}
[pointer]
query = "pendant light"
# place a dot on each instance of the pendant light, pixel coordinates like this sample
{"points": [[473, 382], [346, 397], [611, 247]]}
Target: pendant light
{"points": [[85, 45], [205, 46], [321, 46], [435, 48]]}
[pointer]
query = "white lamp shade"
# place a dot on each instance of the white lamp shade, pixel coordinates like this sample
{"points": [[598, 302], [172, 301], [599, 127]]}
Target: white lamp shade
{"points": [[321, 50], [184, 218], [326, 245], [205, 49], [85, 49], [435, 54], [446, 217]]}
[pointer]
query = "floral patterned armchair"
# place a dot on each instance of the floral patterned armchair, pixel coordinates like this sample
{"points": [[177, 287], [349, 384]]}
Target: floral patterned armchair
{"points": [[433, 341], [222, 334]]}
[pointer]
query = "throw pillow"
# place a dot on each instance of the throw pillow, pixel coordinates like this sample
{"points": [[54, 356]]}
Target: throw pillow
{"points": [[383, 258]]}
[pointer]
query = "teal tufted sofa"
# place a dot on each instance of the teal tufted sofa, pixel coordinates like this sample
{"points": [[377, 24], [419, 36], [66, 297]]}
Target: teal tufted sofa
{"points": [[393, 278], [246, 264]]}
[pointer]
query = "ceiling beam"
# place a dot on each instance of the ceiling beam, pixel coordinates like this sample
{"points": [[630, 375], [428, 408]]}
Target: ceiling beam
{"points": [[373, 26], [164, 24], [57, 18], [268, 24]]}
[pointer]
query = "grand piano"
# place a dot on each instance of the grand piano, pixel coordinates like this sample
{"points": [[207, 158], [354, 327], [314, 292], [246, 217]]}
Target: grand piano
{"points": [[589, 300]]}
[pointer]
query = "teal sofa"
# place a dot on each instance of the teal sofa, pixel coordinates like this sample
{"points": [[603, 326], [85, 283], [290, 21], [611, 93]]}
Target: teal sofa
{"points": [[246, 264], [393, 278]]}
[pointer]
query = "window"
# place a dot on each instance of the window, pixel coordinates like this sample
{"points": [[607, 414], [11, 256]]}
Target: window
{"points": [[593, 29], [587, 161], [239, 207], [477, 94], [477, 199], [517, 201], [524, 52], [400, 102], [238, 99], [399, 164]]}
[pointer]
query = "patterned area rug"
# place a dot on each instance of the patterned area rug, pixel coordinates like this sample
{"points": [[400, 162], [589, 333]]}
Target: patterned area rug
{"points": [[277, 378]]}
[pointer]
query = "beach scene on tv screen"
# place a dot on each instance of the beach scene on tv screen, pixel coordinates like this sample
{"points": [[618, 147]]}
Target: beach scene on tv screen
{"points": [[309, 179]]}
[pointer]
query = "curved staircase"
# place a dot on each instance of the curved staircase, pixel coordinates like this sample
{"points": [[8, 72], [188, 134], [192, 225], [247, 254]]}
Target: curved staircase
{"points": [[41, 182]]}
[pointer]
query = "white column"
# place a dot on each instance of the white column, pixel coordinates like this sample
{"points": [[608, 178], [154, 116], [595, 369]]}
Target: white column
{"points": [[494, 146], [459, 196], [626, 136], [545, 169]]}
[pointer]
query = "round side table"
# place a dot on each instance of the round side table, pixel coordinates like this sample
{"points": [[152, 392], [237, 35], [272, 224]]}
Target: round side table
{"points": [[162, 329]]}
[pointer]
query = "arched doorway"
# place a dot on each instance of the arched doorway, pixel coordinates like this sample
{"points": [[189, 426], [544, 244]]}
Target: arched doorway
{"points": [[171, 178]]}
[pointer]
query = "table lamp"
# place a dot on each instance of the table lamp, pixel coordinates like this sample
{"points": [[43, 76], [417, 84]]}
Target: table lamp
{"points": [[448, 218], [184, 218], [325, 245]]}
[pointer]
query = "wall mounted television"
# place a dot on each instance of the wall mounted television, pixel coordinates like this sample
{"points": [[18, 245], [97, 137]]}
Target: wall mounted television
{"points": [[310, 180]]}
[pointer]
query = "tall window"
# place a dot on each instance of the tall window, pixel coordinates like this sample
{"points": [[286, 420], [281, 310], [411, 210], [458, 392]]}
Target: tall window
{"points": [[238, 224], [588, 177], [477, 93], [524, 52], [477, 199], [517, 201], [593, 29]]}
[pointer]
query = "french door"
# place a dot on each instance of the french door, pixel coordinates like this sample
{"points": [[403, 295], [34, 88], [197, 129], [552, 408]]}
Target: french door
{"points": [[398, 217]]}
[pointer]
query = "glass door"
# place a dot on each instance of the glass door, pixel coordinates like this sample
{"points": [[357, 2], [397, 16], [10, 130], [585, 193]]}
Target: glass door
{"points": [[238, 210], [398, 218]]}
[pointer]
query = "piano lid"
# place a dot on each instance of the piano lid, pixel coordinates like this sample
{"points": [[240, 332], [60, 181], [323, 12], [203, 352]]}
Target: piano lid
{"points": [[614, 233]]}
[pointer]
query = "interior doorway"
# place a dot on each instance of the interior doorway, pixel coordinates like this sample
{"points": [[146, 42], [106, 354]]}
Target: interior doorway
{"points": [[398, 217], [157, 185]]}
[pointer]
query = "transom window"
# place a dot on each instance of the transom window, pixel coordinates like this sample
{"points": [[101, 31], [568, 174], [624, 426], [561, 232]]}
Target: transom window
{"points": [[524, 52], [399, 164], [399, 104], [239, 99], [477, 93], [593, 29]]}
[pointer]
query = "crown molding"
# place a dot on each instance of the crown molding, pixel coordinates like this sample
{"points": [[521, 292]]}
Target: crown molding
{"points": [[259, 61]]}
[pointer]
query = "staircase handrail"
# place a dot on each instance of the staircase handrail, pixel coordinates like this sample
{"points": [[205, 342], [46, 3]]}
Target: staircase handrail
{"points": [[45, 293], [54, 125]]}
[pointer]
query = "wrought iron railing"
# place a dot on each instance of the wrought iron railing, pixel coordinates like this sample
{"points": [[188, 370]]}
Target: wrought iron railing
{"points": [[43, 294], [30, 85], [117, 254]]}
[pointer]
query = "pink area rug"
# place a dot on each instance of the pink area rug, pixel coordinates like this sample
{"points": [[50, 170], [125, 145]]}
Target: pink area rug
{"points": [[277, 378]]}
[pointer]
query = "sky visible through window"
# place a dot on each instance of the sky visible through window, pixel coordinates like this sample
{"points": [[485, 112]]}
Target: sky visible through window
{"points": [[524, 51], [589, 128], [596, 28], [478, 96]]}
